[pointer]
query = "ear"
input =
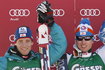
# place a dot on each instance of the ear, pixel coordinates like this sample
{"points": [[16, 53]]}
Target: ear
{"points": [[15, 43], [81, 18], [75, 40], [32, 43]]}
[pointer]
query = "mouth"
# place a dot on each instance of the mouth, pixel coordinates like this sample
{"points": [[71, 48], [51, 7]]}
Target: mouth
{"points": [[83, 46], [24, 49]]}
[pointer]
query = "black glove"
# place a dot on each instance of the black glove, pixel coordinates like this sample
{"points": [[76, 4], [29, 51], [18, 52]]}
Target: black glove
{"points": [[45, 13]]}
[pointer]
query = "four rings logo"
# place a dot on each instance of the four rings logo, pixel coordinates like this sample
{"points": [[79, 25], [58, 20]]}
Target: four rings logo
{"points": [[58, 12], [90, 12], [19, 12]]}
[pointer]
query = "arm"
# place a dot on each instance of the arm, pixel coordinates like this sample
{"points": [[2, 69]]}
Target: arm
{"points": [[101, 52], [101, 35], [58, 47]]}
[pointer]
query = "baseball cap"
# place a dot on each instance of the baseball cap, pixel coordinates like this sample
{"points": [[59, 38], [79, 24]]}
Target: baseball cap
{"points": [[23, 32], [84, 28]]}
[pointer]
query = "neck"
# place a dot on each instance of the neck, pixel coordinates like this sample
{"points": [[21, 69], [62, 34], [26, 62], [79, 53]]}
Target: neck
{"points": [[86, 54], [16, 52]]}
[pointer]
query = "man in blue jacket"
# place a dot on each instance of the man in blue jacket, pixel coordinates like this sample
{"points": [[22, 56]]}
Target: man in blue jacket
{"points": [[21, 56]]}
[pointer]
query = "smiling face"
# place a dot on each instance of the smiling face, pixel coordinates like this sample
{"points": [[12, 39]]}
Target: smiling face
{"points": [[24, 45], [85, 44]]}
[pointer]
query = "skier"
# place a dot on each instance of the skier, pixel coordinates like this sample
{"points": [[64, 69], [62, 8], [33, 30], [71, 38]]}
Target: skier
{"points": [[21, 56], [83, 58]]}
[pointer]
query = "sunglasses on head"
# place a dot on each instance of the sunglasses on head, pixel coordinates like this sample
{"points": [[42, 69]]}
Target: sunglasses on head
{"points": [[86, 38]]}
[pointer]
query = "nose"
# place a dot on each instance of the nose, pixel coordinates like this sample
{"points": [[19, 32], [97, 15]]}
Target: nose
{"points": [[83, 41], [24, 44]]}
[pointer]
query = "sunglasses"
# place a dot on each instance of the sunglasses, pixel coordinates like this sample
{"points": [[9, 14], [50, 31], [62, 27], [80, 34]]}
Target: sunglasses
{"points": [[86, 38]]}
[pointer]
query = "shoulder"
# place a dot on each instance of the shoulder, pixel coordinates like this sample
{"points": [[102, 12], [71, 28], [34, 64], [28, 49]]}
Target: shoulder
{"points": [[3, 63], [101, 52], [3, 59]]}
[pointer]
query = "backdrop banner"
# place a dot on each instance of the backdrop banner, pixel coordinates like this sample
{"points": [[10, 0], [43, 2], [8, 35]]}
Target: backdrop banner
{"points": [[67, 13]]}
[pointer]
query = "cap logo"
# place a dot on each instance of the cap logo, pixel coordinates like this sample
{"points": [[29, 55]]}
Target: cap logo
{"points": [[83, 28], [82, 33], [22, 30], [22, 35]]}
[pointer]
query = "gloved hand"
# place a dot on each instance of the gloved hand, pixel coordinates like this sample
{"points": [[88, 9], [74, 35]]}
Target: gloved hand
{"points": [[45, 13]]}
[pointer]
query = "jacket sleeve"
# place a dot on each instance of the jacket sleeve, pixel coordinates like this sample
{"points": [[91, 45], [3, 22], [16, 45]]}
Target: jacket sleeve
{"points": [[3, 63], [59, 44], [101, 52]]}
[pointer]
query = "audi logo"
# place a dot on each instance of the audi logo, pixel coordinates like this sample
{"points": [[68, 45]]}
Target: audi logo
{"points": [[19, 12], [90, 12], [12, 38], [58, 12]]}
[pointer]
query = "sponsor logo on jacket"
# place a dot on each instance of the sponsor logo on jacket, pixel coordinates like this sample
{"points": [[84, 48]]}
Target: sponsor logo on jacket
{"points": [[22, 68], [78, 67]]}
